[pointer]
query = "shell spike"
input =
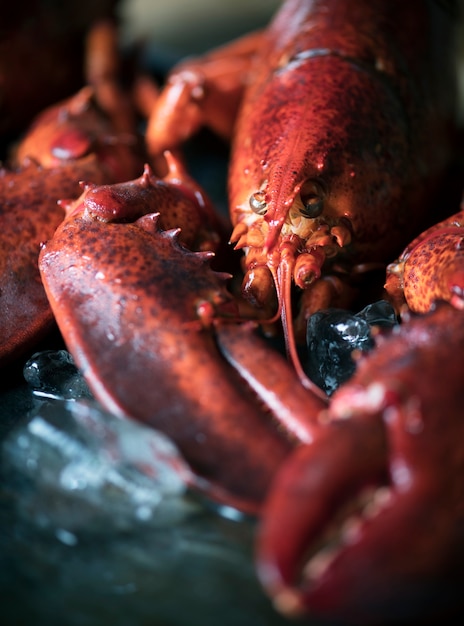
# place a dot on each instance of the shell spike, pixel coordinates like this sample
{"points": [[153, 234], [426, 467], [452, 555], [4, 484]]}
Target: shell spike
{"points": [[148, 222], [224, 276], [66, 204], [81, 101], [86, 185], [172, 233], [205, 255], [239, 234], [241, 243]]}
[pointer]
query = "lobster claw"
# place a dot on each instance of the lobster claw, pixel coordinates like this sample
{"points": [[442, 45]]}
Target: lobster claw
{"points": [[430, 268], [142, 315], [366, 524]]}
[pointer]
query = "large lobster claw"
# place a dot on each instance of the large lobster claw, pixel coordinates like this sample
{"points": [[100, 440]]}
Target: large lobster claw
{"points": [[138, 310], [368, 520]]}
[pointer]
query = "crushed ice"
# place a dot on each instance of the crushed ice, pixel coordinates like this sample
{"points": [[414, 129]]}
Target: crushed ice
{"points": [[92, 466]]}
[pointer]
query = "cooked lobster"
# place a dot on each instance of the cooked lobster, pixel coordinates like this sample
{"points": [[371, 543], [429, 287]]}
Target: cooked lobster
{"points": [[430, 268], [342, 142], [343, 129]]}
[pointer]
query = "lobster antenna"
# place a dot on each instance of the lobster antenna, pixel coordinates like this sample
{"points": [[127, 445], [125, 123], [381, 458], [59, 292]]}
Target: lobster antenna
{"points": [[283, 282]]}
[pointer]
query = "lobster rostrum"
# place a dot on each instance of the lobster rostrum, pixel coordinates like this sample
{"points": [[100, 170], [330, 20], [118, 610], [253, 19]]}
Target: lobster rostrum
{"points": [[341, 142]]}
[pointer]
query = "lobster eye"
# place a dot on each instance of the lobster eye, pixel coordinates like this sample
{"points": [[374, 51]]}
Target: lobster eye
{"points": [[258, 203], [312, 197]]}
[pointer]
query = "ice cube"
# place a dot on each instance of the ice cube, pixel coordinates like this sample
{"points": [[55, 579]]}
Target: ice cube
{"points": [[333, 335], [380, 313], [53, 374]]}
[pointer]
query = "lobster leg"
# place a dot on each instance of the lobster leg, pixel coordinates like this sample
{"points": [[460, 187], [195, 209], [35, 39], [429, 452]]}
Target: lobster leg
{"points": [[276, 385], [203, 92], [396, 427], [103, 74]]}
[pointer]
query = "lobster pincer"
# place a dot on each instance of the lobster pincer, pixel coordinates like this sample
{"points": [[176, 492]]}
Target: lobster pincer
{"points": [[138, 310], [366, 524]]}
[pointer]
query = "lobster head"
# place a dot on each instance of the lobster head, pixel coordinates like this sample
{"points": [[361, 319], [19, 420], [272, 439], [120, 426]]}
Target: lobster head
{"points": [[317, 180]]}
